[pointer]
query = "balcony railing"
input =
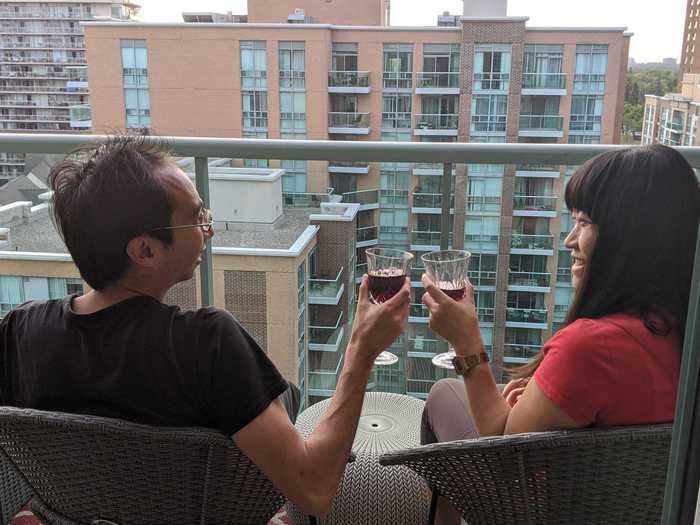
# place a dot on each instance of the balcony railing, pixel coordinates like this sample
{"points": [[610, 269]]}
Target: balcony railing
{"points": [[348, 120], [482, 278], [427, 238], [394, 197], [532, 242], [304, 200], [553, 123], [419, 310], [589, 83], [485, 314], [467, 153], [434, 80], [535, 279], [348, 79], [327, 338], [535, 203], [326, 290], [521, 353], [427, 346], [591, 123], [437, 122], [563, 275], [486, 203], [367, 234], [397, 80], [396, 120], [488, 124], [491, 81], [544, 81], [526, 315], [290, 79], [430, 200], [363, 197]]}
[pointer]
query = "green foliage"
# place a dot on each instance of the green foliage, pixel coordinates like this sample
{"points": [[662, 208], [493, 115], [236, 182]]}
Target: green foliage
{"points": [[649, 82], [632, 120]]}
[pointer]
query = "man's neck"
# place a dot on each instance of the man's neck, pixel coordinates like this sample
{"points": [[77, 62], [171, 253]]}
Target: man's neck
{"points": [[96, 300]]}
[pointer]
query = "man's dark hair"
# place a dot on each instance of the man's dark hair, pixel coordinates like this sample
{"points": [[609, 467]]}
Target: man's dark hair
{"points": [[646, 205], [104, 195]]}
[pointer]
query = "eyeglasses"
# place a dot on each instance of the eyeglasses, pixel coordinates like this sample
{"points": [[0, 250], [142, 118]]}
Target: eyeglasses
{"points": [[205, 226]]}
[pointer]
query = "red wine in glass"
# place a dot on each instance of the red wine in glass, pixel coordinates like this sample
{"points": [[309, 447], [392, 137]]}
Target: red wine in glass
{"points": [[385, 284], [452, 291]]}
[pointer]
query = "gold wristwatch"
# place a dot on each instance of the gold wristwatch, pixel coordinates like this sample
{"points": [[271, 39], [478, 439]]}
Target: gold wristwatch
{"points": [[464, 365]]}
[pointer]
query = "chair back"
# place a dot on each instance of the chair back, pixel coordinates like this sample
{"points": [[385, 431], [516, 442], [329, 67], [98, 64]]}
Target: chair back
{"points": [[83, 469], [601, 476]]}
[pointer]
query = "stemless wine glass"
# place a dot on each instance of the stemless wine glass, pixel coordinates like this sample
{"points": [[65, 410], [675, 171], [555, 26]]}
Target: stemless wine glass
{"points": [[387, 269], [448, 269]]}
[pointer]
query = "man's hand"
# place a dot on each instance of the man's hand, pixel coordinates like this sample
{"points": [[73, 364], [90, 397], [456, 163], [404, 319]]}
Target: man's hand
{"points": [[513, 390], [456, 321], [378, 325]]}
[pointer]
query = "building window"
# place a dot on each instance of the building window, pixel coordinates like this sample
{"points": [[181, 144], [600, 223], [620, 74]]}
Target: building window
{"points": [[254, 110], [17, 290], [344, 56], [440, 66], [255, 163], [291, 59], [294, 179], [492, 67], [293, 112], [253, 64], [398, 66], [591, 67], [394, 182], [542, 67], [586, 114], [481, 234], [301, 327], [489, 114], [135, 77], [396, 111]]}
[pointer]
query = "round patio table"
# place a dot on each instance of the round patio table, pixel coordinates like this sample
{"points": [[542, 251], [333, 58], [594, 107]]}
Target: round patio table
{"points": [[368, 492]]}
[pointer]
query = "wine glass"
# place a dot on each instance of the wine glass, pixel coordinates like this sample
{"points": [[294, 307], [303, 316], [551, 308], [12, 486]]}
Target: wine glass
{"points": [[448, 269], [387, 269]]}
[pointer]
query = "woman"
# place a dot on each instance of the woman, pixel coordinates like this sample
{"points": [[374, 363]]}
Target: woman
{"points": [[616, 361]]}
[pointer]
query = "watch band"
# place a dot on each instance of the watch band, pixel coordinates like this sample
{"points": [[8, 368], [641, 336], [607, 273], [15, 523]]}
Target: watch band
{"points": [[464, 365]]}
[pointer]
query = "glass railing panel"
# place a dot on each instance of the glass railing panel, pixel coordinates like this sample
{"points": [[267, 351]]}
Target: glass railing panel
{"points": [[430, 200], [397, 80], [542, 122], [437, 121], [532, 242], [304, 200], [348, 120], [325, 287], [366, 233], [516, 351], [396, 120], [362, 197], [491, 81], [437, 80], [427, 238], [419, 310], [544, 81], [348, 79], [539, 279], [526, 315], [564, 275], [535, 203], [486, 203]]}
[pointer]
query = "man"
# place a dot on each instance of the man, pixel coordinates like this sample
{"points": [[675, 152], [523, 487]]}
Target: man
{"points": [[135, 226]]}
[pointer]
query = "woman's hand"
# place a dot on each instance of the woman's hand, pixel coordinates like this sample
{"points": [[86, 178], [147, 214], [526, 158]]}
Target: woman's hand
{"points": [[456, 321], [513, 391]]}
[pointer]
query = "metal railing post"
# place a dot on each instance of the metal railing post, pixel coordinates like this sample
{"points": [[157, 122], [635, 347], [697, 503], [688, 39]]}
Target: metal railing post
{"points": [[446, 187], [683, 474], [201, 170]]}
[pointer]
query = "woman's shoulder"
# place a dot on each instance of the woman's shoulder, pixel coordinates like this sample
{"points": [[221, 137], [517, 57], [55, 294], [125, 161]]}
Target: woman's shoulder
{"points": [[596, 333]]}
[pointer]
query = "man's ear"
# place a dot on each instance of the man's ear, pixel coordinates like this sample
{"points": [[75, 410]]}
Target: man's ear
{"points": [[143, 251]]}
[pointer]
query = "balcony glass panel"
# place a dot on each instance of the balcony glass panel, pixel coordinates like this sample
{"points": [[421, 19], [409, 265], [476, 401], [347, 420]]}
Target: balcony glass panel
{"points": [[427, 238], [304, 200], [348, 79], [533, 203], [430, 200], [362, 197], [564, 275], [366, 233], [327, 335], [542, 122], [544, 81], [437, 80], [400, 120], [348, 120], [515, 351], [436, 121], [538, 279], [325, 288], [532, 242], [526, 315], [397, 80], [419, 310]]}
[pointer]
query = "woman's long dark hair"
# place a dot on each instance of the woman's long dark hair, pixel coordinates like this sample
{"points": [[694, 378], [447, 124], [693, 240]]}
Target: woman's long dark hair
{"points": [[646, 205]]}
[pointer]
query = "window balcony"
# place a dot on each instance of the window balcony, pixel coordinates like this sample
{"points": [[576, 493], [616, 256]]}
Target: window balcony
{"points": [[348, 123], [396, 120], [292, 80], [482, 279], [437, 83], [349, 82], [526, 318], [434, 169], [535, 206], [542, 171], [484, 203], [367, 199], [544, 84], [81, 116], [547, 126], [481, 242], [421, 347], [488, 125], [399, 80], [563, 275], [354, 167], [304, 200], [529, 281], [436, 124], [585, 124], [418, 313], [427, 241], [492, 81], [360, 270], [394, 197], [560, 312], [326, 290], [589, 83], [430, 203], [519, 354], [486, 315], [327, 338], [255, 80], [367, 236], [524, 244]]}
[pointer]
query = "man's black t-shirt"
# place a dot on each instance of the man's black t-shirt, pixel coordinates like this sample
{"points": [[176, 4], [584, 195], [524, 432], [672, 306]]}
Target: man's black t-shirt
{"points": [[138, 360]]}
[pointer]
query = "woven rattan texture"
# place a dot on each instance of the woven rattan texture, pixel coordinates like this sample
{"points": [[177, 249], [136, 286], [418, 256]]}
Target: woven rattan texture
{"points": [[86, 467], [368, 492], [602, 476]]}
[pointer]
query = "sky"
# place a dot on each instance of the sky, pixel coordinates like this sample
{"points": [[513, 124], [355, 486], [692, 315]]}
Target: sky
{"points": [[657, 24]]}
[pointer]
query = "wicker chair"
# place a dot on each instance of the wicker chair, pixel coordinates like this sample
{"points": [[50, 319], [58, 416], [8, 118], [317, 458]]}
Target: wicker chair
{"points": [[83, 469], [600, 476]]}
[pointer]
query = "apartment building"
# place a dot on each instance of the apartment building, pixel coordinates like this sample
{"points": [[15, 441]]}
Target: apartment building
{"points": [[314, 70], [286, 274], [43, 73], [672, 119], [690, 57]]}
